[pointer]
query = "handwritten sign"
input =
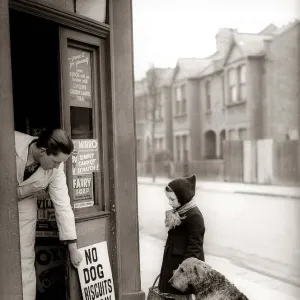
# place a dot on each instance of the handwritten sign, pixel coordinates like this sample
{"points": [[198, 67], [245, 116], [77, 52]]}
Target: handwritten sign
{"points": [[95, 274], [79, 75], [83, 191], [85, 157]]}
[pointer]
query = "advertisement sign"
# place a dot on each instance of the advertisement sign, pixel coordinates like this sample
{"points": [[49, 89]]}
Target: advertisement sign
{"points": [[85, 157], [95, 274], [46, 224], [83, 190], [50, 271]]}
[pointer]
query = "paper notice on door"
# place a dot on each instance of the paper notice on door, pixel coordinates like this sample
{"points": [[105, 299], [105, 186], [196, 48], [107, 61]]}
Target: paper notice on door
{"points": [[95, 274]]}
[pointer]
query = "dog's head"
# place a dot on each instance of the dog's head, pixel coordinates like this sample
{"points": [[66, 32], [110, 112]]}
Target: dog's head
{"points": [[190, 272]]}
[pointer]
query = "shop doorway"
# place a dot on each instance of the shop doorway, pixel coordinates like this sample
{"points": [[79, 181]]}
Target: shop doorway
{"points": [[36, 94]]}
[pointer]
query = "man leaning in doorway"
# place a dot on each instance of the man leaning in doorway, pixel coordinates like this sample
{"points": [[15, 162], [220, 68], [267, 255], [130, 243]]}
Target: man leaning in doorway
{"points": [[40, 166]]}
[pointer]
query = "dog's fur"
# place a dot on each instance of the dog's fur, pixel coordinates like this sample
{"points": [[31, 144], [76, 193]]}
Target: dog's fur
{"points": [[197, 277]]}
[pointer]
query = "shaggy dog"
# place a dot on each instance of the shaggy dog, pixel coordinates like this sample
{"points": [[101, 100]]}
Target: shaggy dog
{"points": [[197, 277]]}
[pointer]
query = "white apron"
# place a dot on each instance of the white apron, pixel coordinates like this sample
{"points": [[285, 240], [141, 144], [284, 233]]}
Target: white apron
{"points": [[56, 181]]}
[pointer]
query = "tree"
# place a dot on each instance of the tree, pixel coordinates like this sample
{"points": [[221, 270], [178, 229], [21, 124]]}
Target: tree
{"points": [[152, 80]]}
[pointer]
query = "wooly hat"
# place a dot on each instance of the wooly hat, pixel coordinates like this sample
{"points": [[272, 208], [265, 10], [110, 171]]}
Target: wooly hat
{"points": [[184, 188]]}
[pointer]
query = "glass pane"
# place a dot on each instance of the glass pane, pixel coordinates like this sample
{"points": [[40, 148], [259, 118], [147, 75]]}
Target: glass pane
{"points": [[81, 123], [80, 79], [243, 92], [233, 94], [178, 94], [243, 74]]}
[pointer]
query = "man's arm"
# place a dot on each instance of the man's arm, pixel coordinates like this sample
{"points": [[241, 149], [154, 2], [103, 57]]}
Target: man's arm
{"points": [[59, 195]]}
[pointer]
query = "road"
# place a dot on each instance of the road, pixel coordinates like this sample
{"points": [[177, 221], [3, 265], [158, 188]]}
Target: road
{"points": [[152, 204]]}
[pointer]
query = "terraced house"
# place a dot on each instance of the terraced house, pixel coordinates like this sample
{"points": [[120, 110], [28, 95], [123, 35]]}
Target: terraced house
{"points": [[247, 90]]}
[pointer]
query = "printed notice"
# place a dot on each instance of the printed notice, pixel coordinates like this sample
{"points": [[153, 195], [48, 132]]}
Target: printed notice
{"points": [[95, 274], [85, 157], [83, 190]]}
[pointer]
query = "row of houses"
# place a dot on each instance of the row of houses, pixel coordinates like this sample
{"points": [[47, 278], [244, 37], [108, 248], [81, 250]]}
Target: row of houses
{"points": [[249, 89]]}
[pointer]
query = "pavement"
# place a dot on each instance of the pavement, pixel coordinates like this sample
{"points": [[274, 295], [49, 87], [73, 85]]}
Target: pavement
{"points": [[232, 187], [254, 285]]}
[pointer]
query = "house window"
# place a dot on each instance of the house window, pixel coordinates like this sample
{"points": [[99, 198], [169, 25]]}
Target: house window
{"points": [[223, 90], [208, 95], [232, 86], [158, 108], [242, 83], [178, 100], [181, 102], [183, 110]]}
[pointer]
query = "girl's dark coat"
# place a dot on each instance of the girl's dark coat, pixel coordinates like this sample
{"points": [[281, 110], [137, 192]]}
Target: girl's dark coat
{"points": [[184, 241]]}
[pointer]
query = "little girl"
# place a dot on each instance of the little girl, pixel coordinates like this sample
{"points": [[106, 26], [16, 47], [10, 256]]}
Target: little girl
{"points": [[185, 231]]}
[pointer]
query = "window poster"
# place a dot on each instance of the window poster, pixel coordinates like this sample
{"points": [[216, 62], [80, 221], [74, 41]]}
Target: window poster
{"points": [[83, 190], [85, 157]]}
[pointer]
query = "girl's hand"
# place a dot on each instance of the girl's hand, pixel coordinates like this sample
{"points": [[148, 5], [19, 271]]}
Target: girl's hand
{"points": [[75, 255]]}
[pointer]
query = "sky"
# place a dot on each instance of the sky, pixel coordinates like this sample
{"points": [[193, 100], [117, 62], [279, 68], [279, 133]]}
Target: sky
{"points": [[165, 30]]}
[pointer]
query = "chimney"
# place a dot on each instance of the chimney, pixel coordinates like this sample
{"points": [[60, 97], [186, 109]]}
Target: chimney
{"points": [[224, 38]]}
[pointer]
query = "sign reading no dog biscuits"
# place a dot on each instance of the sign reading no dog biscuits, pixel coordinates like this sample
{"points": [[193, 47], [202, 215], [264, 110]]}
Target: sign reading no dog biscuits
{"points": [[95, 273]]}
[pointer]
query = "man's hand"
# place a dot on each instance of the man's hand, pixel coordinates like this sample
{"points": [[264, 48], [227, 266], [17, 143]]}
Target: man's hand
{"points": [[75, 255]]}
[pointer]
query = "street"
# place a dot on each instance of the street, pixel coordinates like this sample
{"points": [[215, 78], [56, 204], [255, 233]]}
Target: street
{"points": [[255, 284]]}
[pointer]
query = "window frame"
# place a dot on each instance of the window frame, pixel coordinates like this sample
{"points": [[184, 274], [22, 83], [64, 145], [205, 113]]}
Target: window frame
{"points": [[232, 86], [97, 46]]}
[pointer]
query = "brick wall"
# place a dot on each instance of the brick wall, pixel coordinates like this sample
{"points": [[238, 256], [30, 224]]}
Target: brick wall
{"points": [[282, 83]]}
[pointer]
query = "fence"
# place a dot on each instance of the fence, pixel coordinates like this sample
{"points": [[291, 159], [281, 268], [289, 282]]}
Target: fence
{"points": [[258, 162], [263, 162]]}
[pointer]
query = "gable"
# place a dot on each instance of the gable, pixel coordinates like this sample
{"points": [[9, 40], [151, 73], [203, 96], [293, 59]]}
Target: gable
{"points": [[234, 55], [180, 74]]}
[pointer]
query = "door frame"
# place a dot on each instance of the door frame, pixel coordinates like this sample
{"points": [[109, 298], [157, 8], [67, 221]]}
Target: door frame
{"points": [[68, 19]]}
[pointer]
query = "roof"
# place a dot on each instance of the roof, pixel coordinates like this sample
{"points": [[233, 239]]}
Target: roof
{"points": [[269, 30], [165, 76], [251, 44], [191, 67], [255, 44], [286, 27]]}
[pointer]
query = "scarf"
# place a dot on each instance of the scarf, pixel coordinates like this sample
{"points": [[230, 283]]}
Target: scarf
{"points": [[174, 216]]}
